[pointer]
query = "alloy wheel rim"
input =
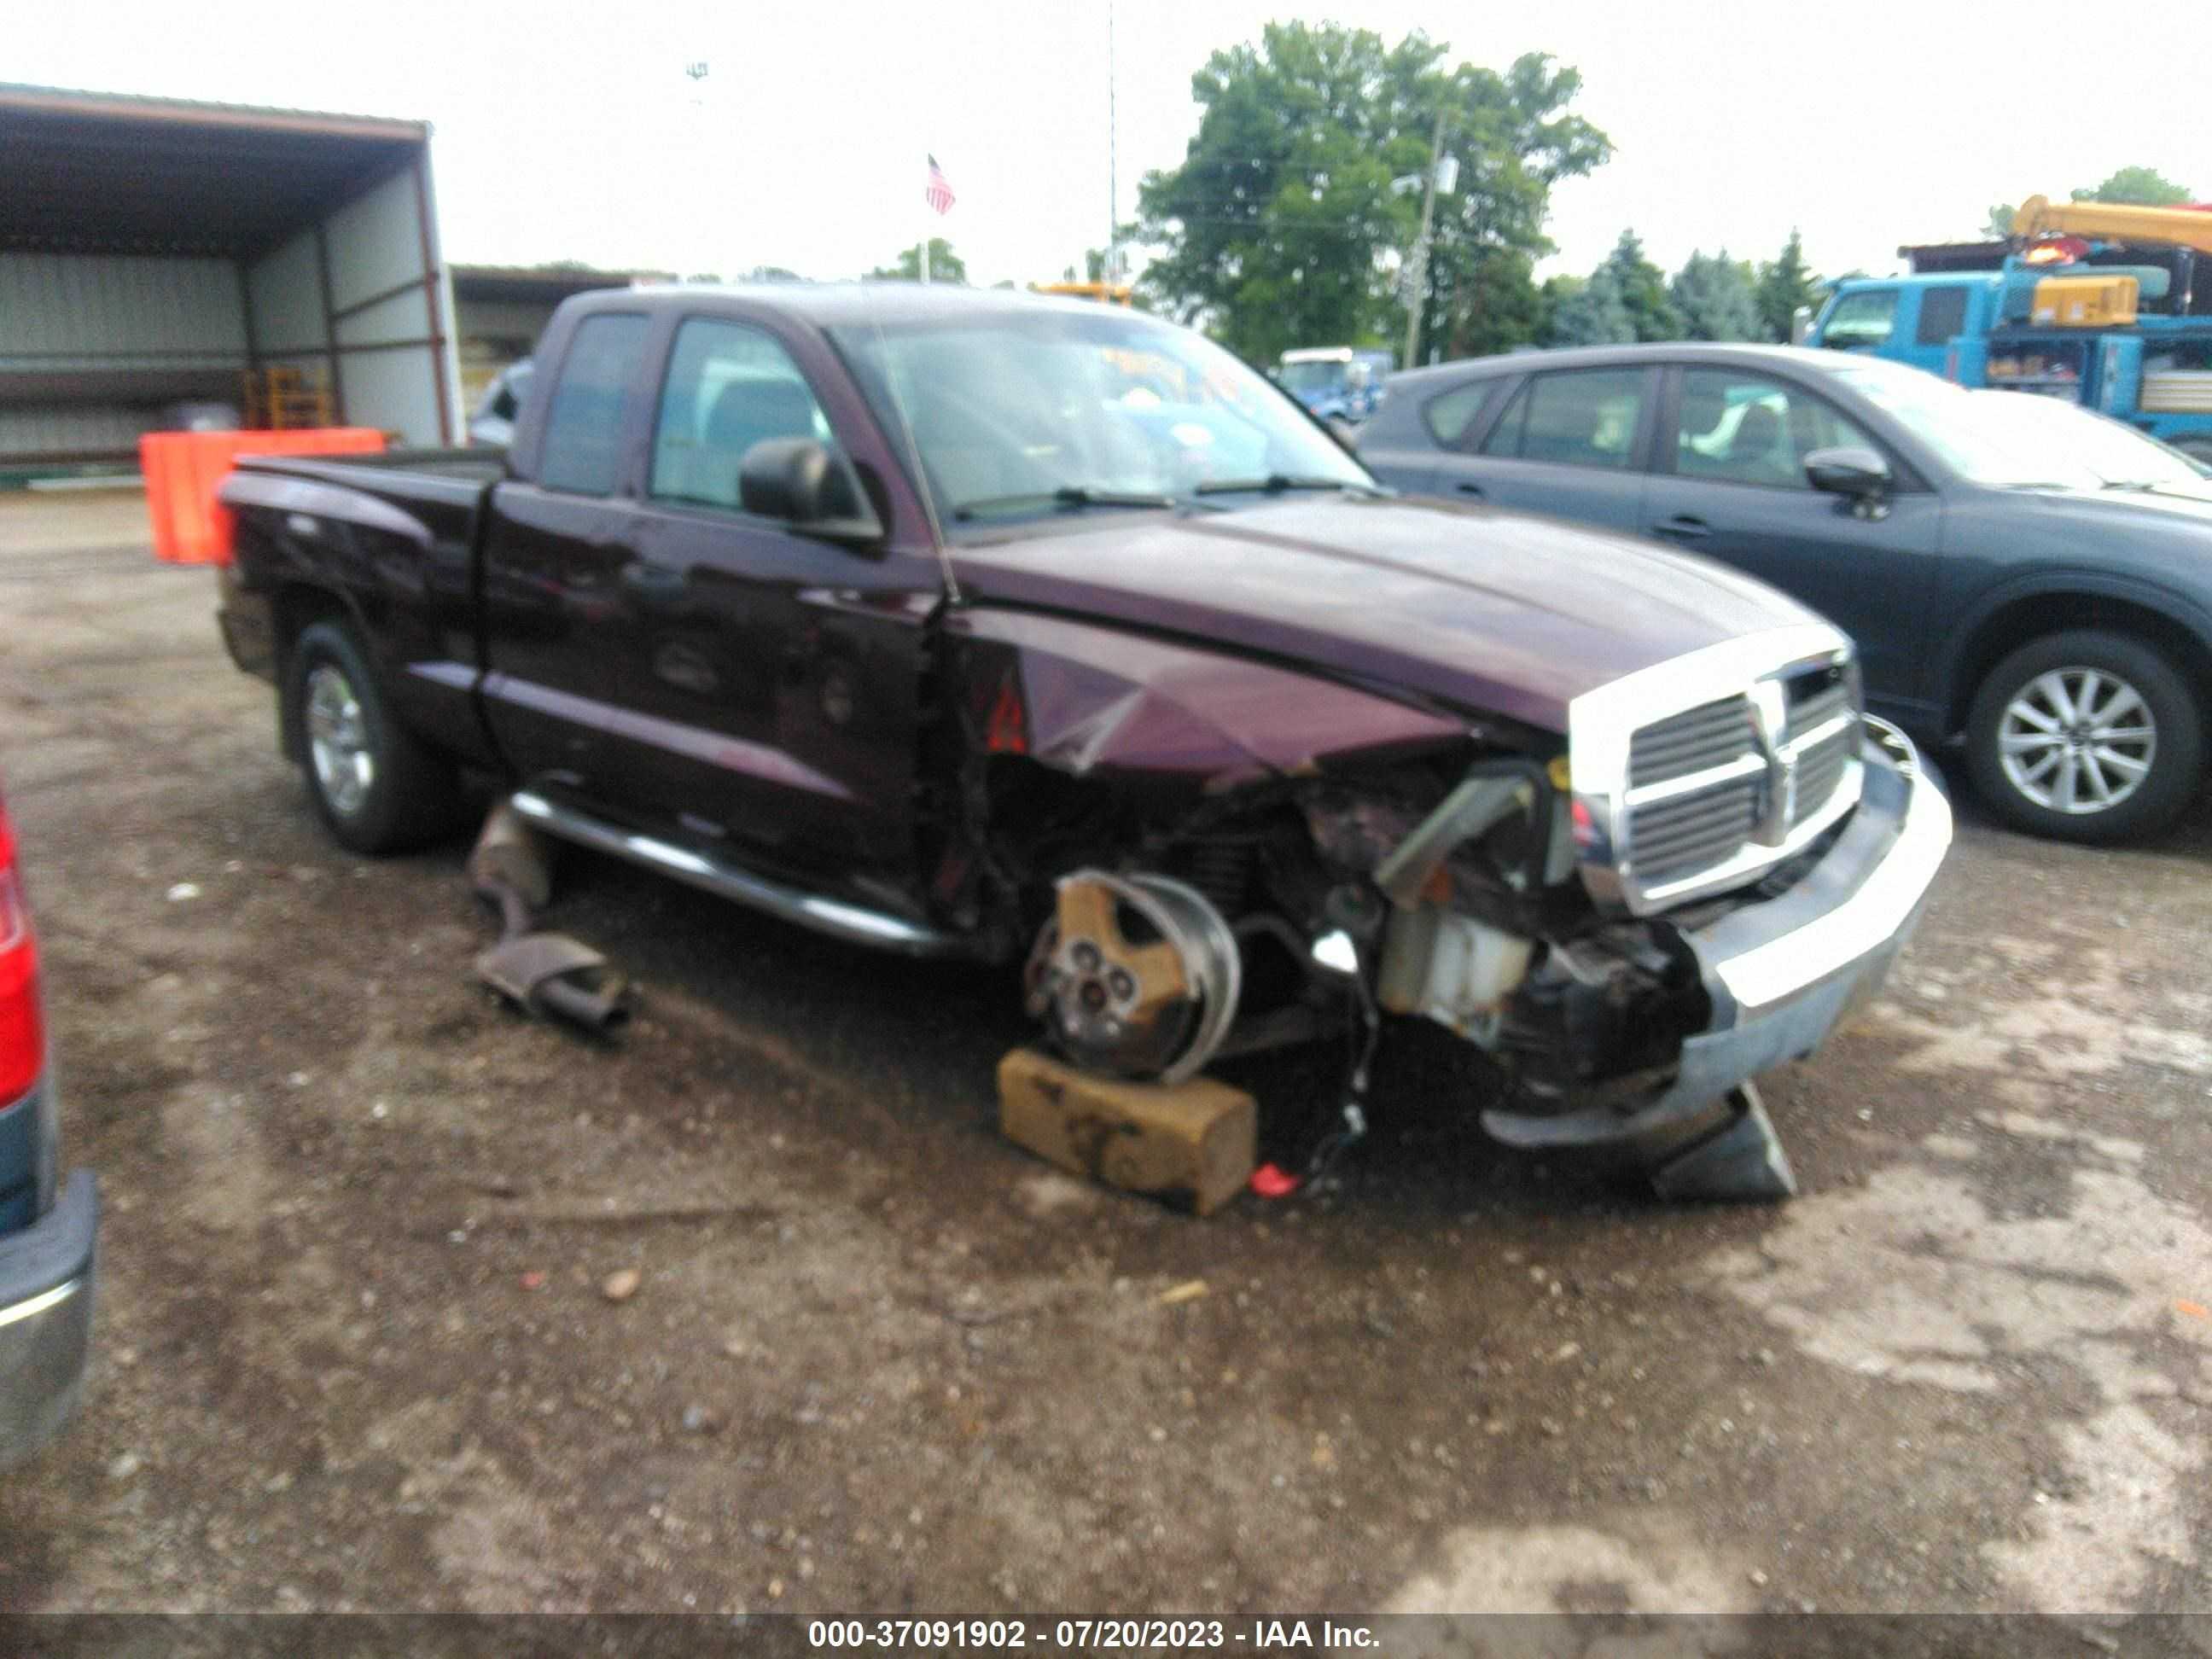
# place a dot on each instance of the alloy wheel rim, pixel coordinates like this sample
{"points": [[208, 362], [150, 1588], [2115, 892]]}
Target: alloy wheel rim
{"points": [[2077, 740], [338, 741]]}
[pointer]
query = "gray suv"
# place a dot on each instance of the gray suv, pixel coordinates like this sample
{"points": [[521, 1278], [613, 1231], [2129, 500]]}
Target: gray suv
{"points": [[1999, 585]]}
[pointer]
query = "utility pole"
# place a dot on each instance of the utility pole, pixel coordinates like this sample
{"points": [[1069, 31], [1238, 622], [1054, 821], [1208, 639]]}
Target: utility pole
{"points": [[1418, 296], [1113, 189]]}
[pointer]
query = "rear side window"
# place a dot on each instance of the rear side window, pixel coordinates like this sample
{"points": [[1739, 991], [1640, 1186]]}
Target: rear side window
{"points": [[1575, 418], [1450, 416], [729, 387], [590, 408], [1861, 320], [1942, 315]]}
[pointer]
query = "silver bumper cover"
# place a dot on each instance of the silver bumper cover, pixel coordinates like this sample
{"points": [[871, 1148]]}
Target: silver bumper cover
{"points": [[1782, 973]]}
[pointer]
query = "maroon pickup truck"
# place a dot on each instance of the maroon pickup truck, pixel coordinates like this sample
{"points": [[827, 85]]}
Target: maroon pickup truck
{"points": [[982, 625]]}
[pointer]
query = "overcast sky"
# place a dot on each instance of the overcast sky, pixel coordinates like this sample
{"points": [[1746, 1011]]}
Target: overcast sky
{"points": [[571, 132]]}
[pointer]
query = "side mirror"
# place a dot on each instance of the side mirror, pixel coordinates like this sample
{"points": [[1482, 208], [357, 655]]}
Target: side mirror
{"points": [[798, 481], [1850, 470]]}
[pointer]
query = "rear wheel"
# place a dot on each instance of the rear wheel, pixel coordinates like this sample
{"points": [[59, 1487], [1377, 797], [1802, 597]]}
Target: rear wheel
{"points": [[377, 786], [2086, 736]]}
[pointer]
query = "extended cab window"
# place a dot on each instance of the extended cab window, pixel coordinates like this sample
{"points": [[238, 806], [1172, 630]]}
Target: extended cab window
{"points": [[590, 409], [729, 387], [1861, 320], [1573, 418], [1942, 315], [1749, 429]]}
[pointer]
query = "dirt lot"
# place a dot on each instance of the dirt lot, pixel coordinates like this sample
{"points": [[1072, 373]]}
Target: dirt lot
{"points": [[352, 1350]]}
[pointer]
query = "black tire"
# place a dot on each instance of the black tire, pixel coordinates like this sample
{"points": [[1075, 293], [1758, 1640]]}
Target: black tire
{"points": [[2175, 755], [408, 794]]}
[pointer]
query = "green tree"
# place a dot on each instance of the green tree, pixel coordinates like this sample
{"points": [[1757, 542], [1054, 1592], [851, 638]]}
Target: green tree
{"points": [[1280, 227], [1550, 299], [1713, 296], [1514, 138], [945, 265], [2142, 186], [772, 274], [1494, 304], [1997, 227], [1596, 313], [1785, 284], [1643, 288]]}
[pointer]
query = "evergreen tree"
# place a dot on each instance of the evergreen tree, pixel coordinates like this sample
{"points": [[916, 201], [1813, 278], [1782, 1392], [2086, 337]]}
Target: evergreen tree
{"points": [[1713, 298], [1596, 313], [1643, 288], [1786, 284]]}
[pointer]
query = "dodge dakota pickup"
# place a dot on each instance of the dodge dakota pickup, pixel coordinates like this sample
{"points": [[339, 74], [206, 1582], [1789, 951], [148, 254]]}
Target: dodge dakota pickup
{"points": [[977, 624]]}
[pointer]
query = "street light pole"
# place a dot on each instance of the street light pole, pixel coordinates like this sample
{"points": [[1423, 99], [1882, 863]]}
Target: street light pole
{"points": [[1421, 248]]}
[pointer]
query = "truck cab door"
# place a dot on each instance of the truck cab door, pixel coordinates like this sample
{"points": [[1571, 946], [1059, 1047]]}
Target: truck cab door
{"points": [[553, 548], [777, 676]]}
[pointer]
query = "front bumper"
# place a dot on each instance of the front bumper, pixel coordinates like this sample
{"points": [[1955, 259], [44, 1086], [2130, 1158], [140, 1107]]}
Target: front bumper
{"points": [[1783, 972], [47, 1272]]}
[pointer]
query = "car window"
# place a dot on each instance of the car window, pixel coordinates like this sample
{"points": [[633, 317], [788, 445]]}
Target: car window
{"points": [[1942, 315], [590, 409], [1450, 416], [1572, 417], [1750, 429], [728, 387], [1862, 319]]}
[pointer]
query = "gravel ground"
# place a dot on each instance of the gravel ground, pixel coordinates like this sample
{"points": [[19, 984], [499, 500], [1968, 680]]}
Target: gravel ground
{"points": [[356, 1350]]}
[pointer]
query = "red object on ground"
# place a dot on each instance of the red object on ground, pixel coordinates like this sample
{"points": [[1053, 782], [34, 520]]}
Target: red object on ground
{"points": [[1273, 1181], [183, 470]]}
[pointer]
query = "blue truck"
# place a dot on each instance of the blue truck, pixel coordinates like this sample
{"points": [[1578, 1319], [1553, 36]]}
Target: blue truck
{"points": [[1335, 383], [2099, 304]]}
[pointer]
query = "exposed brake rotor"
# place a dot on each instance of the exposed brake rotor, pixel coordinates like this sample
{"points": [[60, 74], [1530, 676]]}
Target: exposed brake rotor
{"points": [[1137, 975]]}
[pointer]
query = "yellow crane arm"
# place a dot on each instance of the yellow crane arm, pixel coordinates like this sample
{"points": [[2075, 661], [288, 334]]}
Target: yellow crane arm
{"points": [[2115, 222]]}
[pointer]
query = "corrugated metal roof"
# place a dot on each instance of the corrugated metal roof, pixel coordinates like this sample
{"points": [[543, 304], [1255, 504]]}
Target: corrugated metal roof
{"points": [[152, 107], [106, 173]]}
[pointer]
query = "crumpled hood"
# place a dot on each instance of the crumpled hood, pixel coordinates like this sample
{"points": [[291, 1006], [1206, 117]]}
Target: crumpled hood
{"points": [[1489, 610]]}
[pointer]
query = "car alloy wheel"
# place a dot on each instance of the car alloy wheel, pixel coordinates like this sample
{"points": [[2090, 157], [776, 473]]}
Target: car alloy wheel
{"points": [[337, 740], [2077, 740]]}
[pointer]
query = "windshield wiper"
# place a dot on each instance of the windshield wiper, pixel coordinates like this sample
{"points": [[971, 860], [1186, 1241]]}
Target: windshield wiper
{"points": [[1068, 496], [1276, 483]]}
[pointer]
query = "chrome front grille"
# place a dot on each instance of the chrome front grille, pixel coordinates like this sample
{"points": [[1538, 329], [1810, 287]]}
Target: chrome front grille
{"points": [[1713, 734], [1723, 788]]}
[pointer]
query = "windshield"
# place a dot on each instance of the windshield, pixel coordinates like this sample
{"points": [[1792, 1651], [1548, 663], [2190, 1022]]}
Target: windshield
{"points": [[1311, 377], [2120, 455], [1987, 446], [1050, 410]]}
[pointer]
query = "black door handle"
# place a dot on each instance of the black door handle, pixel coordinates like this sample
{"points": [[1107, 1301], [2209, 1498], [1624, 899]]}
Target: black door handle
{"points": [[1683, 526], [1473, 490]]}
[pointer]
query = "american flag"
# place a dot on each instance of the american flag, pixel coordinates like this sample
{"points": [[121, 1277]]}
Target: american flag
{"points": [[938, 191]]}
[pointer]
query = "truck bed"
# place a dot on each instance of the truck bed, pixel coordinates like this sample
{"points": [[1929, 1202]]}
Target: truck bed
{"points": [[397, 475]]}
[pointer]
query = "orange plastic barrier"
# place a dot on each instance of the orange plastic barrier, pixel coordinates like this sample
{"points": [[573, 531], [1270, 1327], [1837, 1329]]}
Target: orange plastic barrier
{"points": [[183, 470]]}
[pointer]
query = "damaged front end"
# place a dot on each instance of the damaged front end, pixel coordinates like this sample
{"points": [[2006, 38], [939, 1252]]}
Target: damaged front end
{"points": [[1211, 855]]}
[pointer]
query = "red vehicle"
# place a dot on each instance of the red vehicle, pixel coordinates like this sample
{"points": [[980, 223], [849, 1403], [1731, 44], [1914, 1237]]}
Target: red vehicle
{"points": [[925, 619], [47, 1236]]}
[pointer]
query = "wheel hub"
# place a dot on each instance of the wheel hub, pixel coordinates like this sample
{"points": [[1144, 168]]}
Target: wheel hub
{"points": [[1136, 975], [337, 740], [2077, 740]]}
